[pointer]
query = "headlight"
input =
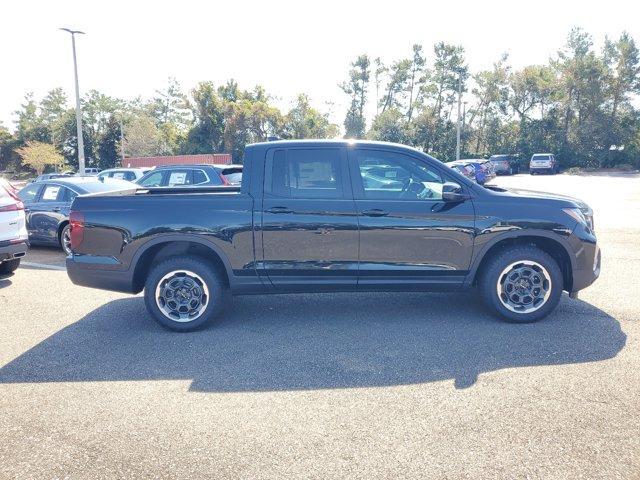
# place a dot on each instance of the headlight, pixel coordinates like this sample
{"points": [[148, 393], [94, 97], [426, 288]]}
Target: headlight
{"points": [[581, 215]]}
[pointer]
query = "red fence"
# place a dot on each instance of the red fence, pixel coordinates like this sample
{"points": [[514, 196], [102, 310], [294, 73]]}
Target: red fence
{"points": [[208, 159]]}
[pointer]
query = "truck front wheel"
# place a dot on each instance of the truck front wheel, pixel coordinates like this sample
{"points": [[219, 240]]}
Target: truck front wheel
{"points": [[184, 293], [522, 284]]}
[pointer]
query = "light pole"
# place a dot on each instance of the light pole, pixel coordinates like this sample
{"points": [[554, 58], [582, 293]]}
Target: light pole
{"points": [[464, 124], [459, 118], [78, 111]]}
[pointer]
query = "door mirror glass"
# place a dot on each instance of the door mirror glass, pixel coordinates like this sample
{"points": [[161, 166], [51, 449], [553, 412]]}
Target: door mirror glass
{"points": [[452, 192]]}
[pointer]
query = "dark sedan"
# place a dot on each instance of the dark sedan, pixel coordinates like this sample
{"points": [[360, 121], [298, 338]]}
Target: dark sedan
{"points": [[47, 206], [192, 175]]}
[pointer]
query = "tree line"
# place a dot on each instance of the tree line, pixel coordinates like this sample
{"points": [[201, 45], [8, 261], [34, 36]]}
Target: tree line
{"points": [[579, 105]]}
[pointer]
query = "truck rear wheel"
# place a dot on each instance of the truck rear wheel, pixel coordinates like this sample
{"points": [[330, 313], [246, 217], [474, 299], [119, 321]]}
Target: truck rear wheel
{"points": [[522, 284], [184, 293]]}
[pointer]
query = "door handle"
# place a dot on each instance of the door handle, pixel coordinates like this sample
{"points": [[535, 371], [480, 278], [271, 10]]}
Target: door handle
{"points": [[375, 212], [55, 209], [278, 210]]}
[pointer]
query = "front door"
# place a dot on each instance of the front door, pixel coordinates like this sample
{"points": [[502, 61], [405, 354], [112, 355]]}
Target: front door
{"points": [[48, 212], [408, 235], [309, 221]]}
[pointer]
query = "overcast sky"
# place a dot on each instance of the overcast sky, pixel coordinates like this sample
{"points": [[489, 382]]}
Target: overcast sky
{"points": [[132, 47]]}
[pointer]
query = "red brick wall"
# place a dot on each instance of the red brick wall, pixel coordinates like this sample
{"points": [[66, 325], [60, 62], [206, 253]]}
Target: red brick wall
{"points": [[209, 159]]}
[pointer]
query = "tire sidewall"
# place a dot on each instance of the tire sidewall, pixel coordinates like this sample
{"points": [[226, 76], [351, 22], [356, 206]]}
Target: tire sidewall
{"points": [[10, 266], [66, 228], [217, 292], [493, 271]]}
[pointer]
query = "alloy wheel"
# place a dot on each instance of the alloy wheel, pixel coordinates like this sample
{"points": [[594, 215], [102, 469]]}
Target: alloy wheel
{"points": [[524, 286], [182, 296]]}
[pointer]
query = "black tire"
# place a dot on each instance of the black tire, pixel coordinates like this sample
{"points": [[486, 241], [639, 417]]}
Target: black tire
{"points": [[64, 233], [9, 266], [494, 272], [203, 272]]}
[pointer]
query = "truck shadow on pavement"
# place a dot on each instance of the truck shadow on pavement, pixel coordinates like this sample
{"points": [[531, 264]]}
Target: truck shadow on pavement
{"points": [[316, 342]]}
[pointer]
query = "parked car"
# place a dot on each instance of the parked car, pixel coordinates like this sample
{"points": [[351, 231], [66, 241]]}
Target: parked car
{"points": [[543, 162], [128, 174], [190, 175], [468, 171], [47, 206], [482, 169], [91, 171], [49, 176], [13, 232], [505, 164], [306, 219]]}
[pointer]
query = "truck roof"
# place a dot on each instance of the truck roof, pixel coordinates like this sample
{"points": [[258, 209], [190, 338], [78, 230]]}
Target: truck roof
{"points": [[332, 142]]}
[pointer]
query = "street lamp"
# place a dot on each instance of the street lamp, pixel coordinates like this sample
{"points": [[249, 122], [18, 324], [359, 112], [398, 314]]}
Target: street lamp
{"points": [[78, 112]]}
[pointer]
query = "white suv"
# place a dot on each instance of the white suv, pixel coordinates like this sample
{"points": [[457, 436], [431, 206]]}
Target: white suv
{"points": [[13, 229], [543, 162]]}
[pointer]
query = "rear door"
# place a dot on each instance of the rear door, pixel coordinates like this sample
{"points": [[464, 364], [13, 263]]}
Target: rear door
{"points": [[309, 221], [408, 235]]}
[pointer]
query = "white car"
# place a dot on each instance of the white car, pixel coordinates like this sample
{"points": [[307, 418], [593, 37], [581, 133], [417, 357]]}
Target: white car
{"points": [[13, 229], [129, 174]]}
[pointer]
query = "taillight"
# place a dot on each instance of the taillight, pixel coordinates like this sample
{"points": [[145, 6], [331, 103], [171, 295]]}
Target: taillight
{"points": [[76, 220], [12, 207]]}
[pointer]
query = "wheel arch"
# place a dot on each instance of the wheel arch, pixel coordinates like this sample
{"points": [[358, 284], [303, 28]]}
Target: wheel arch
{"points": [[557, 247], [171, 246], [61, 226]]}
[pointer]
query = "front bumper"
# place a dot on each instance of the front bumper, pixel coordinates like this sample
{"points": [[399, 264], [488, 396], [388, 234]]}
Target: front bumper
{"points": [[588, 266], [10, 250]]}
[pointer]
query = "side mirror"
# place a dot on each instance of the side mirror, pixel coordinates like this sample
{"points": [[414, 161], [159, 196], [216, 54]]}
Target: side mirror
{"points": [[452, 192]]}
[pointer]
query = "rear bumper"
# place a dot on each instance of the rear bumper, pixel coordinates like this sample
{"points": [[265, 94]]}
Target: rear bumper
{"points": [[86, 273], [10, 250], [541, 169]]}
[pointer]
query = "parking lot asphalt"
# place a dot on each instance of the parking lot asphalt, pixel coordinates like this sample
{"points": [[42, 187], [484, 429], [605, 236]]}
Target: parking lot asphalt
{"points": [[399, 385]]}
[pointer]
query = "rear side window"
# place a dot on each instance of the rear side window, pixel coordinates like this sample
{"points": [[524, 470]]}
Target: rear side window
{"points": [[67, 195], [200, 177], [305, 173], [179, 178]]}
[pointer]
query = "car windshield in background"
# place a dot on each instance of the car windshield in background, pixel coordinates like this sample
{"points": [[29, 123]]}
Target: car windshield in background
{"points": [[541, 157], [233, 178]]}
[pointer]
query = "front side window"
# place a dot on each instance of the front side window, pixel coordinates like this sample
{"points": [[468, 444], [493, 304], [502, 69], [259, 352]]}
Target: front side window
{"points": [[29, 193], [394, 176], [153, 180], [305, 173]]}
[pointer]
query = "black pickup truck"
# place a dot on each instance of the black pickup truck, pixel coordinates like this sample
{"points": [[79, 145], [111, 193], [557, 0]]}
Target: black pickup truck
{"points": [[318, 216]]}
